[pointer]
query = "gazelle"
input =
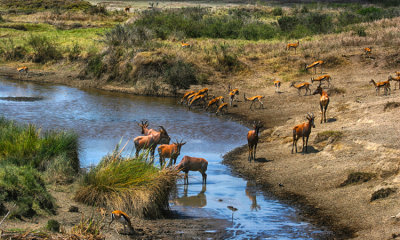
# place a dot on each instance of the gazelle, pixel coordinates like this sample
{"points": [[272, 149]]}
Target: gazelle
{"points": [[215, 102], [186, 95], [193, 164], [22, 70], [190, 98], [151, 141], [123, 218], [303, 130], [252, 140], [203, 91], [323, 102], [253, 99], [368, 51], [232, 94], [221, 108], [170, 151], [396, 79], [197, 99], [292, 45], [277, 85], [379, 85], [185, 45], [315, 65], [305, 85], [319, 79]]}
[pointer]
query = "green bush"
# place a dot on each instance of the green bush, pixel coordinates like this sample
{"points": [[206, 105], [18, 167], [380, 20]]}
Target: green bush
{"points": [[180, 75], [74, 52], [277, 11], [95, 65], [53, 225], [9, 51], [44, 49]]}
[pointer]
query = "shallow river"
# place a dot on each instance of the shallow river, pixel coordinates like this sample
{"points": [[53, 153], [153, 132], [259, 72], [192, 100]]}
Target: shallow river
{"points": [[102, 118]]}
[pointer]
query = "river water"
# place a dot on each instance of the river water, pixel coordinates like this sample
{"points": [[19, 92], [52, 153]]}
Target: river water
{"points": [[102, 119]]}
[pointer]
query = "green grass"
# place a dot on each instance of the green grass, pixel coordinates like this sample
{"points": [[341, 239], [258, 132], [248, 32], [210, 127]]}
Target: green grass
{"points": [[129, 184]]}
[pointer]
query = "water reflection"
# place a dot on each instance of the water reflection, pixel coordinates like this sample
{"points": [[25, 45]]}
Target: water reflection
{"points": [[251, 193], [198, 201]]}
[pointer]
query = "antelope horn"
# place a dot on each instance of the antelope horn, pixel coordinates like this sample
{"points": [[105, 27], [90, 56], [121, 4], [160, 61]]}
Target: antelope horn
{"points": [[163, 128]]}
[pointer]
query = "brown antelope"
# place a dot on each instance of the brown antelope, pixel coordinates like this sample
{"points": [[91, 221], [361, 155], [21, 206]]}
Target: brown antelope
{"points": [[145, 130], [123, 218], [319, 79], [197, 99], [253, 99], [277, 85], [397, 73], [368, 51], [315, 65], [396, 79], [303, 130], [186, 95], [252, 140], [193, 164], [232, 94], [23, 69], [221, 108], [292, 45], [170, 151], [185, 45], [305, 85], [190, 98], [215, 101], [385, 85], [323, 102], [151, 141], [127, 9]]}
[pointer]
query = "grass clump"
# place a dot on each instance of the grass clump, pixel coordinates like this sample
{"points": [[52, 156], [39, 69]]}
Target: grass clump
{"points": [[53, 225], [382, 193], [357, 177], [391, 105], [131, 184], [325, 135]]}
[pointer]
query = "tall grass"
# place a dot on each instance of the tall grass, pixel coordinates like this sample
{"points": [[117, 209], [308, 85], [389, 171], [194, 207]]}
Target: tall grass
{"points": [[128, 184]]}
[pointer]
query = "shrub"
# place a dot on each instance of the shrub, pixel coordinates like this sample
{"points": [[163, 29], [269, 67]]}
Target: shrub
{"points": [[128, 36], [226, 60], [44, 50], [382, 193], [180, 75], [9, 51], [74, 52], [288, 23], [357, 177], [53, 225], [277, 11], [95, 65]]}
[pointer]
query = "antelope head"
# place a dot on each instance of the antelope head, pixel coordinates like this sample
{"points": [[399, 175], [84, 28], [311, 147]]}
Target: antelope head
{"points": [[143, 125], [164, 137], [310, 119], [318, 90]]}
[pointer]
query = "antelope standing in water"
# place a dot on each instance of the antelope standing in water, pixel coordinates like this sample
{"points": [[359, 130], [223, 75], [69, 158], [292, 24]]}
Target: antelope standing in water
{"points": [[171, 151], [292, 45], [378, 85], [303, 130], [151, 141], [193, 164], [186, 95], [300, 86], [252, 140], [323, 102], [315, 65], [215, 101], [222, 108]]}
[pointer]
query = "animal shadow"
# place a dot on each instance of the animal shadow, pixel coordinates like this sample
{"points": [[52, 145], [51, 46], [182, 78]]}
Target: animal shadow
{"points": [[262, 160], [331, 120], [311, 149]]}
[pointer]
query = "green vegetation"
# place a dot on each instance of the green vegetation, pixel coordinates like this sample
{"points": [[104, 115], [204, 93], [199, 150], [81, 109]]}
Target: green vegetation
{"points": [[45, 4], [127, 183], [357, 177], [53, 225], [27, 153]]}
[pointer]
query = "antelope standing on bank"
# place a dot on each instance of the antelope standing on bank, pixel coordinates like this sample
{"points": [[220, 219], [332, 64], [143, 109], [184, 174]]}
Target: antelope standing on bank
{"points": [[170, 151], [315, 65], [215, 101], [396, 79], [292, 45], [277, 85], [378, 85], [368, 51], [22, 70], [221, 108], [323, 102], [303, 130], [300, 86], [254, 99], [232, 94], [151, 141], [123, 218], [252, 140], [193, 164], [322, 78]]}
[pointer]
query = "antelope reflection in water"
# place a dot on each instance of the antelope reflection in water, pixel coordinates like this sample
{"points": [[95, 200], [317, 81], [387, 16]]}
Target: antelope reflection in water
{"points": [[251, 193], [199, 200]]}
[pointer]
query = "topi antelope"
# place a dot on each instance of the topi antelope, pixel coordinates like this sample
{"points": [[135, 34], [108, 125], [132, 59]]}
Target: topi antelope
{"points": [[252, 140], [123, 218], [323, 102], [396, 79], [215, 101], [300, 86], [186, 95], [170, 151], [254, 99], [292, 45], [315, 65], [277, 85], [221, 108], [193, 164], [379, 85], [145, 130], [303, 130], [319, 79], [22, 70], [151, 141]]}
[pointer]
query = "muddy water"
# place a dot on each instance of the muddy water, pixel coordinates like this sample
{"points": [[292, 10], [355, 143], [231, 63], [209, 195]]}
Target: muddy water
{"points": [[102, 119]]}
